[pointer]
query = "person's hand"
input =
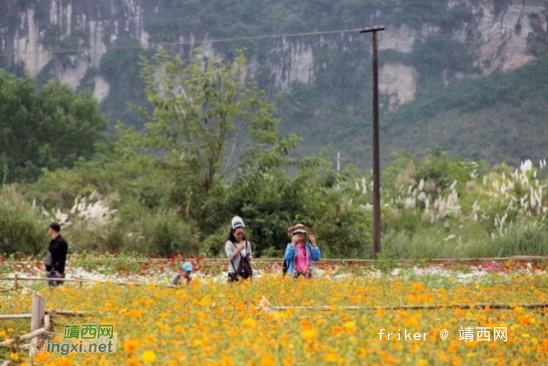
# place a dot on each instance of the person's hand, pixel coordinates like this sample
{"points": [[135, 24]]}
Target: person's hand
{"points": [[294, 240], [241, 246], [313, 240]]}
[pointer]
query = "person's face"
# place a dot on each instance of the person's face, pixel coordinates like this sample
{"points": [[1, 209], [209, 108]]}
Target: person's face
{"points": [[50, 231], [300, 236], [239, 233]]}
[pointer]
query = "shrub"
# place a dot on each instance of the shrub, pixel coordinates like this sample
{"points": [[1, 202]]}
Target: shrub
{"points": [[21, 229]]}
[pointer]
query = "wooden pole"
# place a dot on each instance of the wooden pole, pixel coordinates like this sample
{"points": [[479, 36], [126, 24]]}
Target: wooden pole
{"points": [[38, 312], [376, 146]]}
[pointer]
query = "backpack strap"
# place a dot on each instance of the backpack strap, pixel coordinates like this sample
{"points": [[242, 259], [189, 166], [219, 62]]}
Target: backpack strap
{"points": [[241, 256], [232, 263]]}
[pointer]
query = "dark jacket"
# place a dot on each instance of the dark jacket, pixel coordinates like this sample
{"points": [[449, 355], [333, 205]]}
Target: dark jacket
{"points": [[58, 249]]}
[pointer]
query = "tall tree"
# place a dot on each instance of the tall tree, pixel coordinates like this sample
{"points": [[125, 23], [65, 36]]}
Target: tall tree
{"points": [[48, 128], [207, 122]]}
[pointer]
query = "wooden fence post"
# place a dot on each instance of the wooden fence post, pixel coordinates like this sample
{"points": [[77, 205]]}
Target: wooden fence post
{"points": [[15, 282], [38, 312], [37, 320]]}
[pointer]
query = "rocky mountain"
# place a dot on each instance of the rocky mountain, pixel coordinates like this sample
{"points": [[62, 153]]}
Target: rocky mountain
{"points": [[427, 48]]}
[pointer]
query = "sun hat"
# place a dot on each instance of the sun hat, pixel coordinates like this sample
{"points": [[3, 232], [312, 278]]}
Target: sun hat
{"points": [[299, 228], [237, 222]]}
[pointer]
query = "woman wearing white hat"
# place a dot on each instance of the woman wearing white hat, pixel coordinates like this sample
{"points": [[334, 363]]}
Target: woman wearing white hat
{"points": [[301, 252], [238, 251]]}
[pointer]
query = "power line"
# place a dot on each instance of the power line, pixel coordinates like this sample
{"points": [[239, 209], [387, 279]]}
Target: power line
{"points": [[190, 43]]}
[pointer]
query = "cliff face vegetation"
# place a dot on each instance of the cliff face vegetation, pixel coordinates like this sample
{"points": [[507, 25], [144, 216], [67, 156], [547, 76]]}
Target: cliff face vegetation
{"points": [[433, 58]]}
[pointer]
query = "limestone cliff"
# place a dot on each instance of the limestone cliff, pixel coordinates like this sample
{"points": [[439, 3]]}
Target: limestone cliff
{"points": [[68, 38]]}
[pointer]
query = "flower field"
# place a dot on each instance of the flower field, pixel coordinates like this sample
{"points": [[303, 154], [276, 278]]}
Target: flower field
{"points": [[214, 323]]}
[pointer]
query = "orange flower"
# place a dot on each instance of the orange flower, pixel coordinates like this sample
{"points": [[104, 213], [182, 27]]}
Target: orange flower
{"points": [[132, 361], [267, 361], [130, 346], [526, 319]]}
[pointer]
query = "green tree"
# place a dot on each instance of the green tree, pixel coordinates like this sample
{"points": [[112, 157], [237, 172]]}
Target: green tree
{"points": [[48, 128], [207, 123]]}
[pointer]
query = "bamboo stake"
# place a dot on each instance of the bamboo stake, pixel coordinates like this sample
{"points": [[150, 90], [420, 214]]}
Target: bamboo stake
{"points": [[34, 341], [89, 281], [35, 333], [414, 307], [16, 316], [16, 279], [50, 313], [69, 313], [349, 260]]}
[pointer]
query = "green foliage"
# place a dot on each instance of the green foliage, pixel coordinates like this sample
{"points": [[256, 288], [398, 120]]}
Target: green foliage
{"points": [[470, 95], [21, 230], [48, 128], [162, 233], [506, 109], [206, 123]]}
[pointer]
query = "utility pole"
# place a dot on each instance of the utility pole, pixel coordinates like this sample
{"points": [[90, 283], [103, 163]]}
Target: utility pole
{"points": [[338, 161], [376, 145]]}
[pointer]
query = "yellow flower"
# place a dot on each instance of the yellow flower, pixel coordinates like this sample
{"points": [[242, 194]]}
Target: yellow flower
{"points": [[350, 326], [149, 356], [14, 356], [308, 334], [330, 357], [250, 322]]}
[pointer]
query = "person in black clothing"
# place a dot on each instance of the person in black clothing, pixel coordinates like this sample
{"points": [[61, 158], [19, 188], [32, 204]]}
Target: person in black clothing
{"points": [[56, 256]]}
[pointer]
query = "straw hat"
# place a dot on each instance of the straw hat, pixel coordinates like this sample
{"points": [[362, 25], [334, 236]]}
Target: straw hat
{"points": [[299, 228]]}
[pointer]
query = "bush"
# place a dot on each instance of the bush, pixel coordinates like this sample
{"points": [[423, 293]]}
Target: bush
{"points": [[21, 229], [168, 234]]}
